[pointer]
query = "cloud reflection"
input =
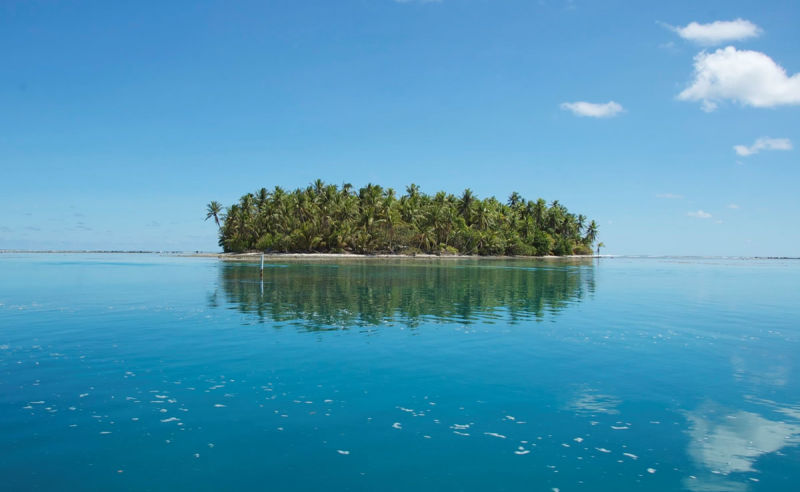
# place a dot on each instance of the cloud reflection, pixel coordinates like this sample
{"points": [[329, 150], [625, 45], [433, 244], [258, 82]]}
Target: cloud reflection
{"points": [[729, 442]]}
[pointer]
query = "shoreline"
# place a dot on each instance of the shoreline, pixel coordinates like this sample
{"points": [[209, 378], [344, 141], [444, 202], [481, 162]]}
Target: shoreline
{"points": [[256, 256], [252, 256]]}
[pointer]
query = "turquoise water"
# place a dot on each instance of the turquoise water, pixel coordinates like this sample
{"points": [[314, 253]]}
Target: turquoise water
{"points": [[151, 373]]}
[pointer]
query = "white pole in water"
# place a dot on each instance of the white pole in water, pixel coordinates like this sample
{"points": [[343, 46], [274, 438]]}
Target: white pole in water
{"points": [[261, 273]]}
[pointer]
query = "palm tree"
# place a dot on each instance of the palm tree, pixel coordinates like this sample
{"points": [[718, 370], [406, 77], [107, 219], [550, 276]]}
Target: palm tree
{"points": [[326, 218], [591, 233], [465, 205], [213, 209]]}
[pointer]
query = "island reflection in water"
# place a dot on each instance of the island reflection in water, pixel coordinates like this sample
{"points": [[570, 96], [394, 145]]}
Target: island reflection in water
{"points": [[343, 294]]}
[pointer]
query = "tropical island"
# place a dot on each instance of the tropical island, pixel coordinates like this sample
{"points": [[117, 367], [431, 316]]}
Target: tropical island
{"points": [[324, 218]]}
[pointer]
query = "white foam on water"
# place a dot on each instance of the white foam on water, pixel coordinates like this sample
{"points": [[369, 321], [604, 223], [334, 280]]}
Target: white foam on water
{"points": [[631, 455], [83, 395], [342, 451], [171, 419], [460, 426], [522, 451], [651, 470], [36, 403], [134, 418], [509, 417], [219, 405], [163, 410], [409, 410], [211, 445], [565, 444], [161, 397], [426, 436], [621, 427], [578, 440], [603, 450], [105, 432], [495, 434], [397, 425], [461, 433]]}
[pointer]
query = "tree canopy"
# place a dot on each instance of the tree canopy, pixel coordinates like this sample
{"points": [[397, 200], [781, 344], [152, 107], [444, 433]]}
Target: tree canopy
{"points": [[330, 219]]}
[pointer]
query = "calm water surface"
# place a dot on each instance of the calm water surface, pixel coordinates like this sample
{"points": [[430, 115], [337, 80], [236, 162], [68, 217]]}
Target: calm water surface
{"points": [[154, 373]]}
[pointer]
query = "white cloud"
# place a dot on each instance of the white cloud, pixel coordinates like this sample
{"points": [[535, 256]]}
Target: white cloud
{"points": [[763, 143], [749, 77], [699, 214], [717, 32], [733, 206], [594, 110], [671, 196]]}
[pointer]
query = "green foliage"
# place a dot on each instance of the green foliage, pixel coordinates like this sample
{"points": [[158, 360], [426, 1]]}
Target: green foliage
{"points": [[326, 218], [582, 249]]}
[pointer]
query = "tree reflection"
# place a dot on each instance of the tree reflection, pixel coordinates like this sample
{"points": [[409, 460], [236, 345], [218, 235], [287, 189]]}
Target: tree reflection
{"points": [[336, 295]]}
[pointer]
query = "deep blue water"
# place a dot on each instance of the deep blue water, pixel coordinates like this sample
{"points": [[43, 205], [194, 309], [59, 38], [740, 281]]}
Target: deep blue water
{"points": [[144, 372]]}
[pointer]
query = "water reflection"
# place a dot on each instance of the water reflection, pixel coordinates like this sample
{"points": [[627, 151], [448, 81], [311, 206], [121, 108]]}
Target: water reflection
{"points": [[724, 441], [332, 295]]}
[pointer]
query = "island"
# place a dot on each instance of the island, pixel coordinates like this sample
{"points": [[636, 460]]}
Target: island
{"points": [[326, 218]]}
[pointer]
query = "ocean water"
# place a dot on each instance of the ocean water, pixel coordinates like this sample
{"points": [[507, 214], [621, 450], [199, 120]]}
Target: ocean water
{"points": [[147, 372]]}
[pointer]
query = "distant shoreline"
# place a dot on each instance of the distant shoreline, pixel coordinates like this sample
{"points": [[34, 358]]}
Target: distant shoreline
{"points": [[253, 256]]}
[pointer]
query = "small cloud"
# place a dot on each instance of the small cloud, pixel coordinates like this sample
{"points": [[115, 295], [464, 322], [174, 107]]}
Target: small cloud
{"points": [[763, 143], [699, 214], [669, 46], [669, 196], [750, 78], [717, 32], [594, 110], [733, 206]]}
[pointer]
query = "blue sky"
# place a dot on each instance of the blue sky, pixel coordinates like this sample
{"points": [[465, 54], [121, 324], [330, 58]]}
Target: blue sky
{"points": [[119, 121]]}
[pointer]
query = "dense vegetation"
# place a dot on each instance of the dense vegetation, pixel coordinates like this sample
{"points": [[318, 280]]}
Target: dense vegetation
{"points": [[326, 218], [343, 294]]}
